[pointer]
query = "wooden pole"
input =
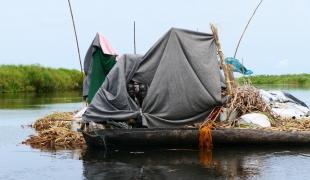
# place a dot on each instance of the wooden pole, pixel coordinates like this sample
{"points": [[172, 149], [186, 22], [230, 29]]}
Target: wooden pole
{"points": [[76, 38], [134, 37], [229, 78], [245, 28]]}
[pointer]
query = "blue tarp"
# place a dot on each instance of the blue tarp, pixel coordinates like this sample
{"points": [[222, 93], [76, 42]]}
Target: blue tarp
{"points": [[238, 67]]}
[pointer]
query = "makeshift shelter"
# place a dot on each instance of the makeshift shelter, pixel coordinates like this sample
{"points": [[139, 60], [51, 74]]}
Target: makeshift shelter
{"points": [[99, 60], [183, 77]]}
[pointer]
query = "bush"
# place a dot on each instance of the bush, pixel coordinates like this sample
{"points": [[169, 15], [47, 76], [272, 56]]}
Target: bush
{"points": [[288, 79], [35, 78]]}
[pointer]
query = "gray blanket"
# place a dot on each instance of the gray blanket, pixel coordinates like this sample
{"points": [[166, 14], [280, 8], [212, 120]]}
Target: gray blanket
{"points": [[183, 76]]}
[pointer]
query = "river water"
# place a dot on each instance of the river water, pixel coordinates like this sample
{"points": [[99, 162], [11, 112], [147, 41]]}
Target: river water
{"points": [[18, 161]]}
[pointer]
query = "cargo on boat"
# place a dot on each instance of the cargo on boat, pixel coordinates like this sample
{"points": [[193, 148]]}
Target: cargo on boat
{"points": [[182, 94]]}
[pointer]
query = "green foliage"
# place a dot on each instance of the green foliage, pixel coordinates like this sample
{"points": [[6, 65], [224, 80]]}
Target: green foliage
{"points": [[35, 78], [302, 80]]}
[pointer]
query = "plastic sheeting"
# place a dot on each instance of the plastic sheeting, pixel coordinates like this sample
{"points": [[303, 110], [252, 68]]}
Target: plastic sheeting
{"points": [[258, 119], [183, 76], [237, 66], [285, 104]]}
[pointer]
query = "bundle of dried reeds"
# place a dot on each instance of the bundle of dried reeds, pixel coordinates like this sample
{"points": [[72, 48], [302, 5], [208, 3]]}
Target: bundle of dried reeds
{"points": [[247, 99], [57, 119], [54, 132], [292, 125], [56, 138]]}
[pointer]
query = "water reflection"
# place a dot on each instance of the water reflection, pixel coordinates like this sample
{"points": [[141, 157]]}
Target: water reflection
{"points": [[22, 162], [221, 163], [167, 164], [34, 100]]}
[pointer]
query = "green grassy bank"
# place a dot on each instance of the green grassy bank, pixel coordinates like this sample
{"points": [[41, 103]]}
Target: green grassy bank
{"points": [[36, 78], [289, 79]]}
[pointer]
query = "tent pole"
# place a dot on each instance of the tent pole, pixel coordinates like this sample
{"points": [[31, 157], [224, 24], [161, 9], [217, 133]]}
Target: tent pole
{"points": [[76, 38], [134, 37], [227, 71]]}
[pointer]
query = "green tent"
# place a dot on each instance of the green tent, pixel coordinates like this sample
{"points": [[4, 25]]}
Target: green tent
{"points": [[99, 60]]}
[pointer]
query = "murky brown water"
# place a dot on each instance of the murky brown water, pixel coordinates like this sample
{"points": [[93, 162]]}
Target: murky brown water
{"points": [[21, 162]]}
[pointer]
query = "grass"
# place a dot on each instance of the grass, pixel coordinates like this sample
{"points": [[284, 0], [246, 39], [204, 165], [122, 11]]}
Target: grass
{"points": [[302, 80], [36, 78]]}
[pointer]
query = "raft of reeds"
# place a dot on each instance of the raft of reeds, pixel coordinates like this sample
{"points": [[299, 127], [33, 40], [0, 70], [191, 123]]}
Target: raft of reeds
{"points": [[54, 132]]}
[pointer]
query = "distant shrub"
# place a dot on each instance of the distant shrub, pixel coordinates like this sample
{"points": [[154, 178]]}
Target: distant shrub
{"points": [[36, 78], [287, 79]]}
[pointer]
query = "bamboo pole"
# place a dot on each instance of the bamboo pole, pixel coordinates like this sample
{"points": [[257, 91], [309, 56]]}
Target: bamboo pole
{"points": [[229, 78], [245, 28], [76, 37], [134, 38], [77, 45]]}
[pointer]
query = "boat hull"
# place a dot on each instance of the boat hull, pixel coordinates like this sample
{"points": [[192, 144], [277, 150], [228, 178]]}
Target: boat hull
{"points": [[188, 138]]}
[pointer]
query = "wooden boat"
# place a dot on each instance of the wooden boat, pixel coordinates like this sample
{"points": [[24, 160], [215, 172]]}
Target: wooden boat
{"points": [[187, 138]]}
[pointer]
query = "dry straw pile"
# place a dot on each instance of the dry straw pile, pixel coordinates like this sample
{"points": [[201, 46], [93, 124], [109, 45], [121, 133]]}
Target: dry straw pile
{"points": [[54, 120], [246, 99], [54, 132], [292, 125]]}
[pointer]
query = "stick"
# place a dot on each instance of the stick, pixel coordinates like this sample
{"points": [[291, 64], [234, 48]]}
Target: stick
{"points": [[76, 38], [246, 28], [134, 37], [228, 77]]}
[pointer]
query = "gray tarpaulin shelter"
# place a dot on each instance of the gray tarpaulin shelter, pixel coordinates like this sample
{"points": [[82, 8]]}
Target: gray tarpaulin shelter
{"points": [[182, 73]]}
